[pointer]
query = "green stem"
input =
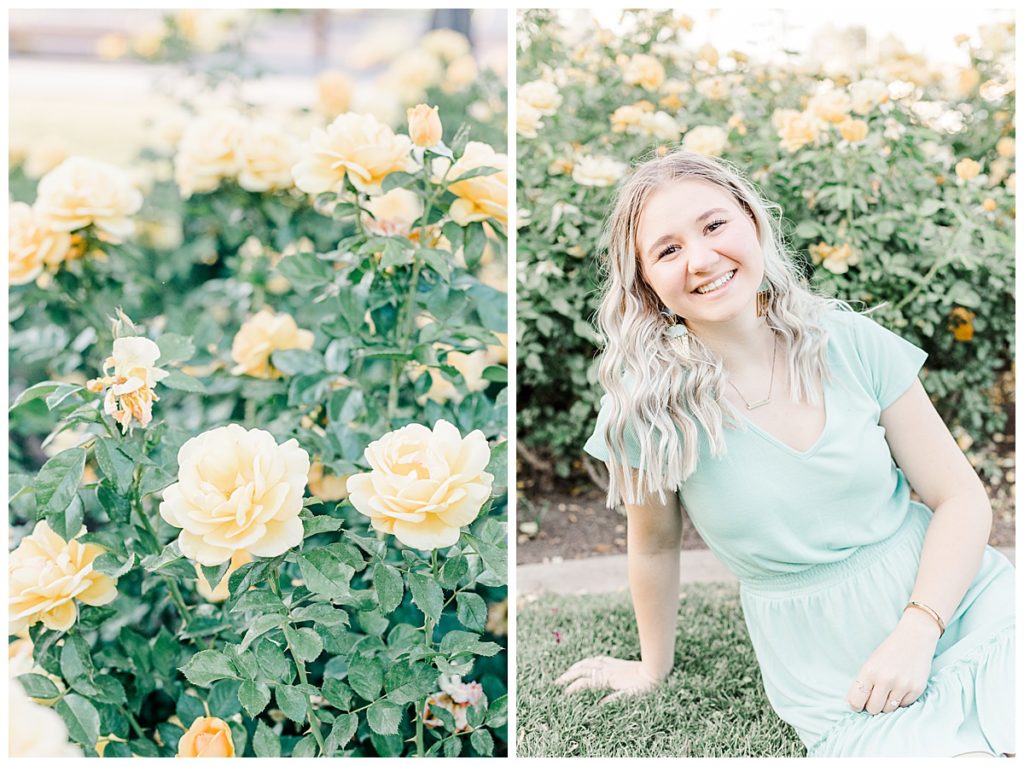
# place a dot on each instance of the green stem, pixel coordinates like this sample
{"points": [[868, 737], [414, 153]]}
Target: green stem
{"points": [[178, 600], [139, 731], [420, 750], [314, 722]]}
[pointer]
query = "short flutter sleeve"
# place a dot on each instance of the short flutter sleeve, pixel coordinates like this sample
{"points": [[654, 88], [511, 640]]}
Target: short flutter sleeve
{"points": [[889, 363], [596, 445]]}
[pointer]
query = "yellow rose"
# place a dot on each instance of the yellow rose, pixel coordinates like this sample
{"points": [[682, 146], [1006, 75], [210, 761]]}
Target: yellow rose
{"points": [[424, 485], [865, 95], [411, 73], [207, 738], [481, 197], [81, 191], [645, 71], [598, 171], [659, 125], [830, 105], [796, 129], [148, 40], [625, 117], [236, 490], [706, 139], [446, 44], [334, 92], [44, 155], [34, 731], [31, 246], [130, 375], [354, 144], [708, 54], [265, 156], [714, 88], [208, 152], [966, 169], [471, 366], [111, 46], [220, 593], [1005, 147], [460, 74], [394, 213], [961, 324], [853, 130], [542, 96], [424, 125], [46, 574], [260, 336], [528, 120], [208, 29], [326, 486], [989, 205]]}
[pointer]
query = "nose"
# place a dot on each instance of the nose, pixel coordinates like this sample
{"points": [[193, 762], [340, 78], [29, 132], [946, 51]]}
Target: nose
{"points": [[702, 258]]}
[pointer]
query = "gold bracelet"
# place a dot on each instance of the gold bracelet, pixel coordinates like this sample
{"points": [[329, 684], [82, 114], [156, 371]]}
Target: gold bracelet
{"points": [[930, 612]]}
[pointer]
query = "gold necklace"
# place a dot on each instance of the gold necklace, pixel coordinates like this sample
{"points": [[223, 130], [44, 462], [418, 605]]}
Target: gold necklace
{"points": [[771, 382]]}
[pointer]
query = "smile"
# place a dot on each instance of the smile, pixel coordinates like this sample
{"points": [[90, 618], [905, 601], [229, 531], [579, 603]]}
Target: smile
{"points": [[717, 284]]}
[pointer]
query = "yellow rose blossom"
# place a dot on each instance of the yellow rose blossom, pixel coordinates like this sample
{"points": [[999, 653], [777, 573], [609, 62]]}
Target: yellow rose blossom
{"points": [[866, 94], [1011, 183], [261, 335], [44, 155], [706, 139], [685, 23], [208, 152], [795, 129], [966, 169], [830, 105], [424, 125], [460, 74], [446, 44], [334, 92], [411, 74], [598, 171], [835, 259], [32, 246], [528, 120], [736, 123], [470, 366], [541, 95], [358, 146], [853, 130], [625, 117], [1005, 147], [47, 574], [207, 737], [326, 486], [148, 40], [81, 192], [424, 485], [961, 324], [394, 213], [482, 197], [266, 154], [645, 71], [714, 88], [208, 29], [988, 205], [34, 731], [221, 592], [708, 54], [237, 490], [129, 376], [111, 46], [456, 697]]}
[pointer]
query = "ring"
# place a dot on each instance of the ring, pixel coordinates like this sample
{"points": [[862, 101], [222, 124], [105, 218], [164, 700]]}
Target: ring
{"points": [[894, 703], [861, 685]]}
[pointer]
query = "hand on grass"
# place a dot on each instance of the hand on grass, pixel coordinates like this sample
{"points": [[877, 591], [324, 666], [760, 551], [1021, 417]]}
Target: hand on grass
{"points": [[897, 671], [623, 677]]}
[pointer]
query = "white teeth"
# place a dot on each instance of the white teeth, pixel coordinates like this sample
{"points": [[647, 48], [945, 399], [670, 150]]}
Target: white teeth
{"points": [[704, 289]]}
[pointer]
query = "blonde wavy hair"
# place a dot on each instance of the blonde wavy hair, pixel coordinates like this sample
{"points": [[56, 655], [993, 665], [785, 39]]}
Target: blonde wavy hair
{"points": [[661, 392]]}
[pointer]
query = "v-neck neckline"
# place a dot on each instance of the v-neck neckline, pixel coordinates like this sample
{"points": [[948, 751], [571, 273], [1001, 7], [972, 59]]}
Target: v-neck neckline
{"points": [[802, 454]]}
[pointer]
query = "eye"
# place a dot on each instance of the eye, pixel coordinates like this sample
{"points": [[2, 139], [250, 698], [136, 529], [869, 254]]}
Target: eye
{"points": [[667, 251], [714, 225]]}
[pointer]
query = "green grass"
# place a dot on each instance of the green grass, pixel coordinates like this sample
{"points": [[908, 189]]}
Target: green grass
{"points": [[712, 704]]}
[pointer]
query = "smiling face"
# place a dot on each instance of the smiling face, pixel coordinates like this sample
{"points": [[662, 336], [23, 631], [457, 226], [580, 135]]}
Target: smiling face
{"points": [[699, 252]]}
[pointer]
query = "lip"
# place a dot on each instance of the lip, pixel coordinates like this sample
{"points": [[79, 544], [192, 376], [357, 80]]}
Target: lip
{"points": [[712, 281]]}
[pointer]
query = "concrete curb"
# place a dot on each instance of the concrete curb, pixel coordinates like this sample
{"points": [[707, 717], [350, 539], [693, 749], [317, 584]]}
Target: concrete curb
{"points": [[608, 574]]}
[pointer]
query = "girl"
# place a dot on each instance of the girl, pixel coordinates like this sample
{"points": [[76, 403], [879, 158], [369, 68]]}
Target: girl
{"points": [[792, 429]]}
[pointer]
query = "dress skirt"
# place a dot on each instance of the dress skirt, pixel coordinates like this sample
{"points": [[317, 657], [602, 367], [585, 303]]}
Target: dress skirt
{"points": [[813, 631]]}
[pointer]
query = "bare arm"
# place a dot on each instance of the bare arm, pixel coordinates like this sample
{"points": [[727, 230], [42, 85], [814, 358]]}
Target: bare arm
{"points": [[896, 673]]}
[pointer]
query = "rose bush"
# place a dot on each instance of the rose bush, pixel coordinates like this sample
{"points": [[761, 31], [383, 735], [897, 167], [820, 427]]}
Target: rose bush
{"points": [[896, 180], [190, 574]]}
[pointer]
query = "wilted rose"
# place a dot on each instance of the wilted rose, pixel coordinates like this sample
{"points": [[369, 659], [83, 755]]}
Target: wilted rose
{"points": [[236, 490], [47, 574], [260, 336], [130, 375], [424, 485], [456, 697]]}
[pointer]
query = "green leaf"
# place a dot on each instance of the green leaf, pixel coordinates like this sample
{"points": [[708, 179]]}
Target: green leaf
{"points": [[342, 730], [294, 361], [188, 708], [454, 569], [426, 594], [76, 660], [207, 666], [56, 487], [325, 573], [482, 742], [108, 690], [153, 480], [292, 702], [111, 565], [38, 686], [61, 394], [365, 676], [452, 747], [181, 381], [254, 696], [81, 718], [322, 614], [476, 242], [495, 373], [260, 601], [439, 260], [158, 561], [397, 180], [337, 693], [114, 464], [174, 349], [387, 582], [471, 611], [463, 642], [262, 624], [315, 525], [498, 464], [384, 717], [272, 660], [494, 558], [305, 748], [410, 682], [223, 699], [38, 391], [215, 574], [265, 743], [306, 271], [474, 173], [305, 643]]}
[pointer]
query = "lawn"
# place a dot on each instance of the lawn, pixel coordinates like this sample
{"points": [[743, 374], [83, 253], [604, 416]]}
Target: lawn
{"points": [[711, 705]]}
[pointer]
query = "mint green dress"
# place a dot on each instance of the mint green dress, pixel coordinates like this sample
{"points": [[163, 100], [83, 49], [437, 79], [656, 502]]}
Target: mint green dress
{"points": [[826, 544]]}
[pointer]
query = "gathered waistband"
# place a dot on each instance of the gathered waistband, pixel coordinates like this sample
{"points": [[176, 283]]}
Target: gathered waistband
{"points": [[822, 575]]}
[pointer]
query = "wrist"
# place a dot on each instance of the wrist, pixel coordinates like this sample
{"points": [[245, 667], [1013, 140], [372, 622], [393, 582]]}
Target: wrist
{"points": [[920, 624]]}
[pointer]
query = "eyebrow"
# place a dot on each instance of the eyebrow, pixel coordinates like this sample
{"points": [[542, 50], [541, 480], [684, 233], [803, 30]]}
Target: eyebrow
{"points": [[669, 237]]}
